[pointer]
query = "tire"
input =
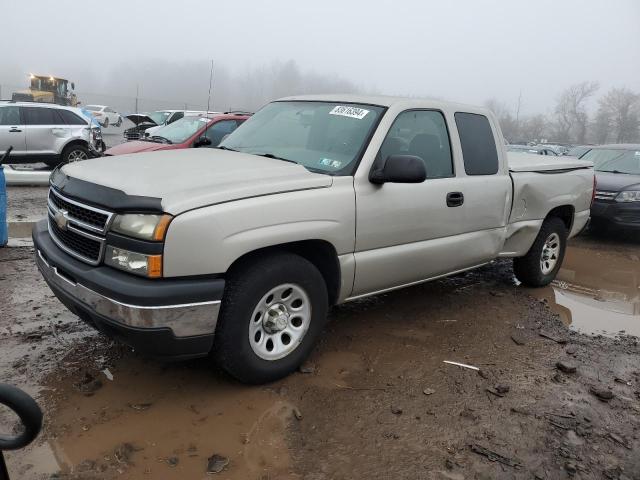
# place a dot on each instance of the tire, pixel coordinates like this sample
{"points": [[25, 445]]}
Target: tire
{"points": [[119, 122], [106, 123], [531, 270], [74, 153], [241, 345]]}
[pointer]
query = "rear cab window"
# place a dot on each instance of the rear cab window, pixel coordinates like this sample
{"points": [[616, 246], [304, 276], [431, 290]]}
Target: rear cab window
{"points": [[478, 144]]}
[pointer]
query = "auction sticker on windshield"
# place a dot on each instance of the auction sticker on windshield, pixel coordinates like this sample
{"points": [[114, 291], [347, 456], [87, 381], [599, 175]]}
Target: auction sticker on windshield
{"points": [[351, 112]]}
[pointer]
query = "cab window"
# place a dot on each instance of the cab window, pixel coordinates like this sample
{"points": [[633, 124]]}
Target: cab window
{"points": [[421, 133]]}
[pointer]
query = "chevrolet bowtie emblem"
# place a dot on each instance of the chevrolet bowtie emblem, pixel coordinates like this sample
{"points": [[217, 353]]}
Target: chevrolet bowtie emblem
{"points": [[61, 219]]}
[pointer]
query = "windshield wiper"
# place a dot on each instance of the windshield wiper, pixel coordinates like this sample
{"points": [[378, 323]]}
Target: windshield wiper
{"points": [[271, 155], [222, 147], [615, 171], [161, 139]]}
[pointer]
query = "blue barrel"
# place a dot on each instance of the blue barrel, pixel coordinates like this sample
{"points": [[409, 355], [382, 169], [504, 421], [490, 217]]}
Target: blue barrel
{"points": [[4, 234]]}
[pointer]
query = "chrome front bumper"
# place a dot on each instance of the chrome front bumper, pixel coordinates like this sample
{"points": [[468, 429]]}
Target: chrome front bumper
{"points": [[184, 320]]}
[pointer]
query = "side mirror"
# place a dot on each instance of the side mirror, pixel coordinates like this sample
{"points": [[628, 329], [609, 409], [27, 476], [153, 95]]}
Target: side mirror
{"points": [[202, 142], [399, 169]]}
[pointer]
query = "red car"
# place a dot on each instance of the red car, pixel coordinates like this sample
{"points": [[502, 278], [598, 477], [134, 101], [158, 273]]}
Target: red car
{"points": [[184, 133]]}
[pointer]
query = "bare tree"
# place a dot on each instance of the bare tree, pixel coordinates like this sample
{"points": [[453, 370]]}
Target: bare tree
{"points": [[571, 113], [534, 128], [619, 112], [508, 123]]}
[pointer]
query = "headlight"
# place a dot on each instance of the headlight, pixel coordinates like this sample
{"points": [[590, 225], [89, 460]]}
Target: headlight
{"points": [[143, 226], [628, 196], [133, 262]]}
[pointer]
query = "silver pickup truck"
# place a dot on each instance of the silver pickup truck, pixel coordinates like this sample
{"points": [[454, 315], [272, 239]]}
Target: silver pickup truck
{"points": [[239, 252]]}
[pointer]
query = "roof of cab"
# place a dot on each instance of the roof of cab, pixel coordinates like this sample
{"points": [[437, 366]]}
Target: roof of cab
{"points": [[380, 100]]}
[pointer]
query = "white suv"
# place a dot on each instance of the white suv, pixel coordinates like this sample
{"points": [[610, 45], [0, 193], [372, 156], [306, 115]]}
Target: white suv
{"points": [[49, 133]]}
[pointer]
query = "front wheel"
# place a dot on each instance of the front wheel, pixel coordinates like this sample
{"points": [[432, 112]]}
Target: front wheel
{"points": [[75, 153], [119, 122], [272, 314], [543, 260]]}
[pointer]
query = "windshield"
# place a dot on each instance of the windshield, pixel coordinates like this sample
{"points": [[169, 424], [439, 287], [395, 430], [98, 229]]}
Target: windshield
{"points": [[180, 130], [615, 160], [158, 117], [321, 136]]}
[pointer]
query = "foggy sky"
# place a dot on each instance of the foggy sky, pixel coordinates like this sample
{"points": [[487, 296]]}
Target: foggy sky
{"points": [[463, 50]]}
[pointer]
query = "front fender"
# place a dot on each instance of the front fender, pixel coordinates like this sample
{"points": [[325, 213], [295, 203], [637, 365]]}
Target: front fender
{"points": [[208, 240]]}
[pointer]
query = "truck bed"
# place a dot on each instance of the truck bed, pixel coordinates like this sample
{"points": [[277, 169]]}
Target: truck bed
{"points": [[526, 162]]}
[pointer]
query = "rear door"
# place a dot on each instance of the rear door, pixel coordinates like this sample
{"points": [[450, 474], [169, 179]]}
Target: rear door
{"points": [[41, 125], [12, 131]]}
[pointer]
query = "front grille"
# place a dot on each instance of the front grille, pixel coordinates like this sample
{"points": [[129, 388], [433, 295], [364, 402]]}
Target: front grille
{"points": [[605, 195], [76, 228], [81, 245], [83, 214]]}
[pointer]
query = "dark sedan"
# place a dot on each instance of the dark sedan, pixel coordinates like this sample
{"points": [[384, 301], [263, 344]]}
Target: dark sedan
{"points": [[617, 196]]}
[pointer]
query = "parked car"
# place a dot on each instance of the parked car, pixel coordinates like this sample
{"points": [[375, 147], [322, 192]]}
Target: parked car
{"points": [[557, 148], [44, 132], [186, 113], [314, 201], [184, 133], [579, 151], [145, 121], [535, 150], [617, 197], [105, 115]]}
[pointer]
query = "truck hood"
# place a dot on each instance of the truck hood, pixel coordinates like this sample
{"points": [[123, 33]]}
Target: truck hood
{"points": [[526, 162], [616, 182], [194, 178]]}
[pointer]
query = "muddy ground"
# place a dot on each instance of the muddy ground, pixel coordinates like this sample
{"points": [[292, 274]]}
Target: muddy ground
{"points": [[376, 399]]}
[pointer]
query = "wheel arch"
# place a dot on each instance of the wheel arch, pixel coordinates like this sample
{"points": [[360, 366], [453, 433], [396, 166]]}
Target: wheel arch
{"points": [[321, 253], [566, 213]]}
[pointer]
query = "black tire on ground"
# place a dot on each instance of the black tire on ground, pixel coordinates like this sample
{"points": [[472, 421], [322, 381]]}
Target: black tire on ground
{"points": [[106, 123], [75, 152], [245, 288], [119, 122], [528, 269]]}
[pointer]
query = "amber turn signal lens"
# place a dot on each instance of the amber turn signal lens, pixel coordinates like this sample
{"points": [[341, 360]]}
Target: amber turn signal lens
{"points": [[154, 266], [161, 228]]}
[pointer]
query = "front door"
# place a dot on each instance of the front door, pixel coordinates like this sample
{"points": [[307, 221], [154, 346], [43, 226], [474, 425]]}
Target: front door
{"points": [[12, 131], [407, 233]]}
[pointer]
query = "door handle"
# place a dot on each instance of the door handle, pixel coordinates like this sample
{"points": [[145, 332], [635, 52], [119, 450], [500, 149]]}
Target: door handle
{"points": [[14, 130], [455, 199]]}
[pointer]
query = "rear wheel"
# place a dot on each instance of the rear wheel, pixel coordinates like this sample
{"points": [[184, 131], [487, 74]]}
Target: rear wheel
{"points": [[75, 153], [272, 314], [543, 260], [106, 123]]}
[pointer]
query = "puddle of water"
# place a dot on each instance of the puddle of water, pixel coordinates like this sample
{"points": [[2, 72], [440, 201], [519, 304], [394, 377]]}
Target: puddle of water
{"points": [[182, 412], [596, 292]]}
